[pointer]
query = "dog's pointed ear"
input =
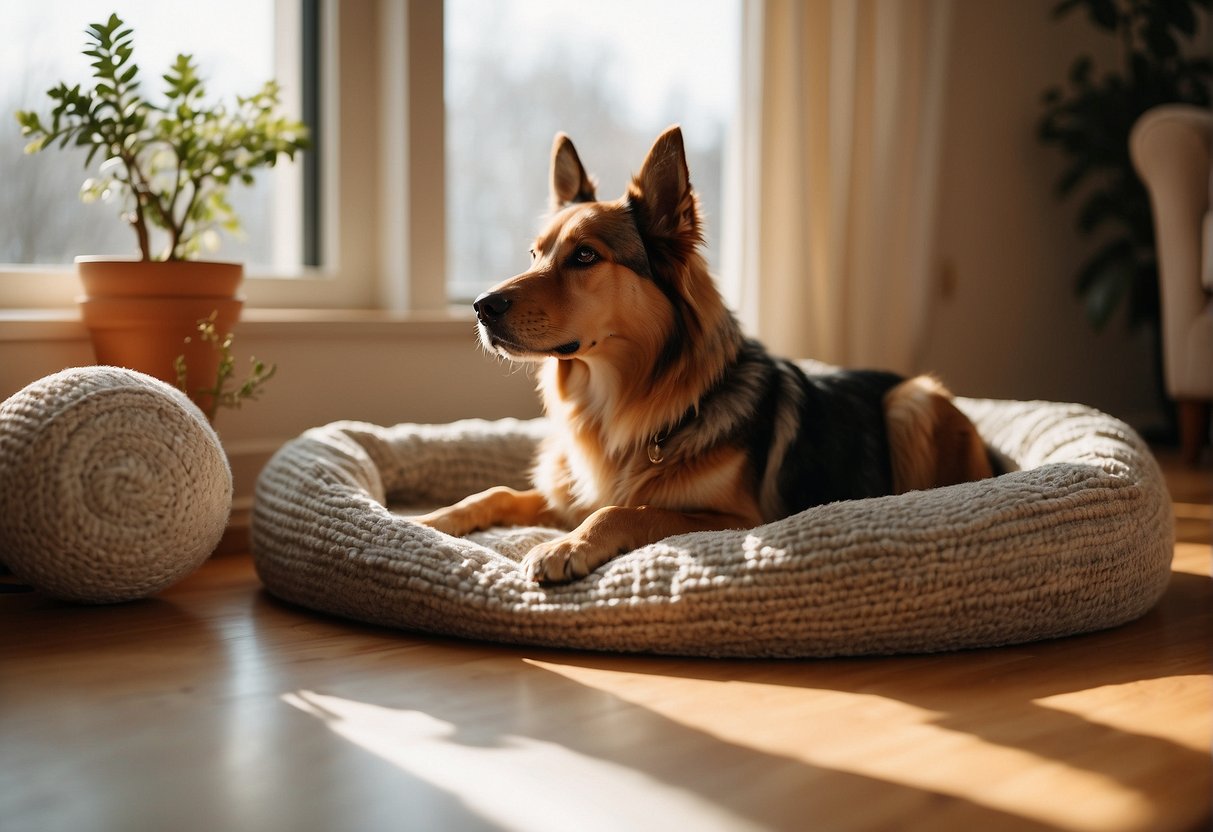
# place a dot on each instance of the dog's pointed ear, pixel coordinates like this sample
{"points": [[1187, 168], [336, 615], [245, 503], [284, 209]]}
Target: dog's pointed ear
{"points": [[570, 182], [663, 190]]}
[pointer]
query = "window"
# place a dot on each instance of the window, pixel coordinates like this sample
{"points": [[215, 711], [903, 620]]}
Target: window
{"points": [[45, 220], [611, 75]]}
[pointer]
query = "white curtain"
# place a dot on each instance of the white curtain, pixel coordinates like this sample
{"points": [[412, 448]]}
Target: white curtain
{"points": [[835, 176]]}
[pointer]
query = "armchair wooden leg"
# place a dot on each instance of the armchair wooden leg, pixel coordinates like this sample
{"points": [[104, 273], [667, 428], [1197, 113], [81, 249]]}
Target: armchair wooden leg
{"points": [[1193, 428]]}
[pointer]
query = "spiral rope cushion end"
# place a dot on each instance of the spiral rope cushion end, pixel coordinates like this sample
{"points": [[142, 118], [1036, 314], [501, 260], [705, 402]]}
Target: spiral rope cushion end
{"points": [[1077, 537], [113, 485]]}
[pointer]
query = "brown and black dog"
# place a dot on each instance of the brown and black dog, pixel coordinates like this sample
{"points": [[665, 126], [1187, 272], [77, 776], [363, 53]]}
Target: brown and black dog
{"points": [[665, 418]]}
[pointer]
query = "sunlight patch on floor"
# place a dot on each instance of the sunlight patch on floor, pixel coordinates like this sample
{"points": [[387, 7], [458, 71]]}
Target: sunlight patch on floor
{"points": [[1135, 707], [885, 739], [517, 783]]}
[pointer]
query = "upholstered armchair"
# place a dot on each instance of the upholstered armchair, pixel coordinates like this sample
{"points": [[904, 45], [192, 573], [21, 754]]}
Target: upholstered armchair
{"points": [[1171, 147]]}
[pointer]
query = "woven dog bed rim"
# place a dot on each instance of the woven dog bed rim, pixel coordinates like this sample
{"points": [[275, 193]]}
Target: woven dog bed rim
{"points": [[1080, 540]]}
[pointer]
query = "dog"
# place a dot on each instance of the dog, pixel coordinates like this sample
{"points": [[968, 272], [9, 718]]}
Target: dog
{"points": [[665, 418]]}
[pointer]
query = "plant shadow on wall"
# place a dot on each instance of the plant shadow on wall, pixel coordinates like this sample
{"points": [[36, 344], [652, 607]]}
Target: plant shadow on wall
{"points": [[168, 168], [1089, 119]]}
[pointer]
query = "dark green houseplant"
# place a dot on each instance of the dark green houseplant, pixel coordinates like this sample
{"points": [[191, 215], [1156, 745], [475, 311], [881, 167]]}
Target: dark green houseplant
{"points": [[1089, 119]]}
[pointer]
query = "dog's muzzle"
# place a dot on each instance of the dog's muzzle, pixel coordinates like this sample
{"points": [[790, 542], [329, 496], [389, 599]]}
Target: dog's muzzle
{"points": [[491, 308]]}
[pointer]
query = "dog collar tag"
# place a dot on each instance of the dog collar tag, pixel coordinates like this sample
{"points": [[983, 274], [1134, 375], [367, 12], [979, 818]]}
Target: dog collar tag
{"points": [[655, 455]]}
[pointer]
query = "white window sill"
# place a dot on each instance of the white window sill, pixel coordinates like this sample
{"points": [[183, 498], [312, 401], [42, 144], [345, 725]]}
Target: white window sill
{"points": [[64, 324]]}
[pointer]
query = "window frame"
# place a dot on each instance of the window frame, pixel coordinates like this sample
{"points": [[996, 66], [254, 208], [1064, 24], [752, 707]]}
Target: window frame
{"points": [[383, 133]]}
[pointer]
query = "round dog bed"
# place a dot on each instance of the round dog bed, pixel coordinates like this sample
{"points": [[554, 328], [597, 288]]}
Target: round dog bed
{"points": [[1077, 537]]}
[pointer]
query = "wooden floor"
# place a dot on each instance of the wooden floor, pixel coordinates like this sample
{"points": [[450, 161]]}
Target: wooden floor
{"points": [[214, 707]]}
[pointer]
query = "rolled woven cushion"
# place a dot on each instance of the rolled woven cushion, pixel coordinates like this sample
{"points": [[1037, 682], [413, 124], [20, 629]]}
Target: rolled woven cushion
{"points": [[113, 485], [1079, 538]]}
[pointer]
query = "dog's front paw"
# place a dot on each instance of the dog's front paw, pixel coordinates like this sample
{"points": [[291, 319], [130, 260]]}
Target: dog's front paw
{"points": [[561, 560], [455, 521]]}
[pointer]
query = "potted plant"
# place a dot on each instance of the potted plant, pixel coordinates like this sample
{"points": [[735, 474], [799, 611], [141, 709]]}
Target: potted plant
{"points": [[168, 168]]}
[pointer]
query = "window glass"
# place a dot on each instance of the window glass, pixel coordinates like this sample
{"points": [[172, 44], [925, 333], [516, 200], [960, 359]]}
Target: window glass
{"points": [[45, 221], [612, 75]]}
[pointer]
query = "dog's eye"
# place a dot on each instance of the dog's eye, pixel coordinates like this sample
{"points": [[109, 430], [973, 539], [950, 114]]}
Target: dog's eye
{"points": [[585, 256], [534, 254]]}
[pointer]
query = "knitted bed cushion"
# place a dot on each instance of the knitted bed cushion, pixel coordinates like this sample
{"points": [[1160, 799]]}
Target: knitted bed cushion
{"points": [[1079, 538]]}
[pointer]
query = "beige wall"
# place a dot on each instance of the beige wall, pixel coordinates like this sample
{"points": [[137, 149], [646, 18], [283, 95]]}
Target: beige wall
{"points": [[1012, 326]]}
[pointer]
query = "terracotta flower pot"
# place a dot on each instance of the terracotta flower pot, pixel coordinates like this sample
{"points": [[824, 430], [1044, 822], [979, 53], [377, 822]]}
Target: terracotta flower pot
{"points": [[139, 314]]}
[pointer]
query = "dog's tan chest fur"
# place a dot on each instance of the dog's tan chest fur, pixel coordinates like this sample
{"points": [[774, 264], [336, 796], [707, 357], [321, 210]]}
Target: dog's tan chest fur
{"points": [[577, 478]]}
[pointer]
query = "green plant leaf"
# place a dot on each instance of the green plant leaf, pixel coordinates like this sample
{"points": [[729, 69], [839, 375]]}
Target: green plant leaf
{"points": [[1118, 250], [1179, 14], [1073, 176], [1103, 14], [1080, 70], [1108, 287], [1143, 300], [1160, 41], [1097, 209]]}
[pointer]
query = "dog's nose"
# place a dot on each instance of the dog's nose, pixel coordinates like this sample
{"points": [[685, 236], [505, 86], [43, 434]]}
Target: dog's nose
{"points": [[491, 306]]}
